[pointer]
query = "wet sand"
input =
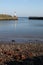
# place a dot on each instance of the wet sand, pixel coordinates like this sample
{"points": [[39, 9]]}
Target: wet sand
{"points": [[21, 53]]}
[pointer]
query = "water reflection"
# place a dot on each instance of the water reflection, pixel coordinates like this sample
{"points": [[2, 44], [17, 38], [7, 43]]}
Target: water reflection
{"points": [[15, 24]]}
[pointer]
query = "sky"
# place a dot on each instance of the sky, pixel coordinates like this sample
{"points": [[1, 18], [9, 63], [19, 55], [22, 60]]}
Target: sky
{"points": [[23, 8]]}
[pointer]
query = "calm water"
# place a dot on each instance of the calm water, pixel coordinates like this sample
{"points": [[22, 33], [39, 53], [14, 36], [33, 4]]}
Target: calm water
{"points": [[21, 30]]}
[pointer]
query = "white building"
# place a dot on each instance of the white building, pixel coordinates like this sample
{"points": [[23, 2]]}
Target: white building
{"points": [[14, 13]]}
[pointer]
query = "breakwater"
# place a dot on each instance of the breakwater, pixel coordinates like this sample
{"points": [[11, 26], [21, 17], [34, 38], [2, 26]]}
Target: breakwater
{"points": [[36, 18]]}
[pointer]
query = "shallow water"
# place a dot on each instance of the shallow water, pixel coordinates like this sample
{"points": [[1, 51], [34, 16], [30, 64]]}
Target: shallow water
{"points": [[21, 30]]}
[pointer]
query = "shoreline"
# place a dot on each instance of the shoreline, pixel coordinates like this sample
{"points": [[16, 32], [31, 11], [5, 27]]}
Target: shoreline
{"points": [[22, 40], [18, 52]]}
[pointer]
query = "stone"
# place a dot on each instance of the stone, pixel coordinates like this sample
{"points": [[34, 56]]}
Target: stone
{"points": [[23, 57]]}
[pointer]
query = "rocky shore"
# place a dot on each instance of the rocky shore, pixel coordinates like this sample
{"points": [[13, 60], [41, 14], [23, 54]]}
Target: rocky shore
{"points": [[12, 53]]}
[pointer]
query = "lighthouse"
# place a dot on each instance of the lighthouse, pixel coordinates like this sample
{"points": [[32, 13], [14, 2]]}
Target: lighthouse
{"points": [[15, 17], [14, 13]]}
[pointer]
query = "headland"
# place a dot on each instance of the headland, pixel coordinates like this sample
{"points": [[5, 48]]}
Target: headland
{"points": [[8, 17]]}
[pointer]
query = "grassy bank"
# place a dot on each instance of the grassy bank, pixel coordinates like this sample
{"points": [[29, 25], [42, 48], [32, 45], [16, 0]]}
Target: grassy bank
{"points": [[7, 17]]}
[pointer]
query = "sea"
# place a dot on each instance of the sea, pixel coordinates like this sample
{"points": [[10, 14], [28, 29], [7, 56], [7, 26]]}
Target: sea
{"points": [[21, 30]]}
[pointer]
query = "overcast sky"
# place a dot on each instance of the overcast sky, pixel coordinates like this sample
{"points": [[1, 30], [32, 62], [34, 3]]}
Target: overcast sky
{"points": [[22, 7]]}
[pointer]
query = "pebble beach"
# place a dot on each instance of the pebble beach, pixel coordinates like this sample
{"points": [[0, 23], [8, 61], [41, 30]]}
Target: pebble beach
{"points": [[19, 52]]}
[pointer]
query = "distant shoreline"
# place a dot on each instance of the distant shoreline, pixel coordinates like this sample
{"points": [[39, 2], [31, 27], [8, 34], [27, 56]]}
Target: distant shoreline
{"points": [[36, 18]]}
